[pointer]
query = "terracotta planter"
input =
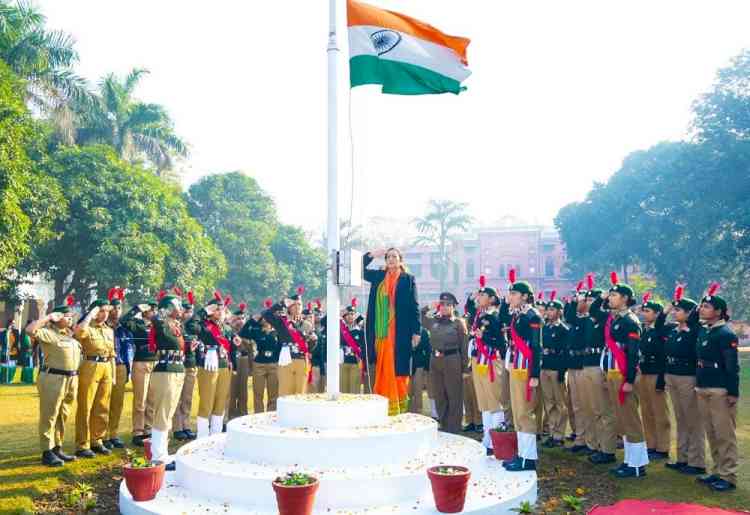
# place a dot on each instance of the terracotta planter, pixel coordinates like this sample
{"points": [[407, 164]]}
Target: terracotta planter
{"points": [[144, 484], [449, 490], [504, 445], [295, 500], [147, 448]]}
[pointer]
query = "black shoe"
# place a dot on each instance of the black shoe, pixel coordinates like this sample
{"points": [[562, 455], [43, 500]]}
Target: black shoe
{"points": [[50, 459], [589, 451], [100, 449], [551, 443], [602, 458], [117, 443], [180, 436], [722, 486], [693, 471], [190, 434], [620, 444], [708, 480], [490, 452], [514, 461], [65, 457], [479, 428], [678, 466], [138, 440], [630, 472], [171, 467], [85, 453], [572, 437], [469, 427], [108, 444], [656, 455], [577, 448], [615, 470], [520, 465], [224, 427]]}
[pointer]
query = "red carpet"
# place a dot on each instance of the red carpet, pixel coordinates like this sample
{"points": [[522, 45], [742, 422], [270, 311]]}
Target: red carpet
{"points": [[658, 507]]}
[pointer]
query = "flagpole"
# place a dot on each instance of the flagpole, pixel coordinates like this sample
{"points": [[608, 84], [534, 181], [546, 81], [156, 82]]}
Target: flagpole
{"points": [[333, 302]]}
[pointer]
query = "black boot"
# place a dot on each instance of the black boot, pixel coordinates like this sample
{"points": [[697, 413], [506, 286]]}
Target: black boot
{"points": [[100, 449], [50, 459], [65, 457], [469, 427], [521, 465], [85, 453]]}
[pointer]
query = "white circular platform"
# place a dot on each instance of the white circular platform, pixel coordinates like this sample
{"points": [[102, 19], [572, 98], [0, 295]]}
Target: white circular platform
{"points": [[373, 469]]}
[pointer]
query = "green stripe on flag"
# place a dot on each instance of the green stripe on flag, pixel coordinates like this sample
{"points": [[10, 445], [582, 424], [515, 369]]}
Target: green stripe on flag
{"points": [[398, 78]]}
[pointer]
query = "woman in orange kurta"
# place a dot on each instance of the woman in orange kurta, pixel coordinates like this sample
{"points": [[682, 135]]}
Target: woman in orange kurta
{"points": [[393, 327]]}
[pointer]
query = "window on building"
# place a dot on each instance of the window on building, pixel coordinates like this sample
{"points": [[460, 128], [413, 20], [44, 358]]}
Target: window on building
{"points": [[470, 272], [549, 267], [416, 270]]}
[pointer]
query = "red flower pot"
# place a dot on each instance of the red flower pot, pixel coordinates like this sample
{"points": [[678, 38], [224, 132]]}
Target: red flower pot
{"points": [[504, 445], [144, 484], [147, 448], [295, 500], [449, 490]]}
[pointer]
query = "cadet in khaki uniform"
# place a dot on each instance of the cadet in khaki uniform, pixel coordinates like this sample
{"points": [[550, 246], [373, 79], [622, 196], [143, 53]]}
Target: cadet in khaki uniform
{"points": [[123, 362], [717, 383], [352, 343], [524, 362], [297, 337], [181, 420], [622, 336], [58, 380], [554, 364], [167, 380], [238, 395], [96, 376], [448, 360], [215, 372], [265, 368]]}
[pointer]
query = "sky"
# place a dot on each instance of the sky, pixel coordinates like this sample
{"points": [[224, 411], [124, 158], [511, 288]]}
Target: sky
{"points": [[561, 92]]}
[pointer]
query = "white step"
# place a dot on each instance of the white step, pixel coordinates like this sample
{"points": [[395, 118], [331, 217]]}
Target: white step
{"points": [[316, 410]]}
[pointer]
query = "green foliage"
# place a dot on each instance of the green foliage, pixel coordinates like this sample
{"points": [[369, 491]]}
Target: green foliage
{"points": [[574, 503], [81, 498], [124, 227], [136, 462], [295, 479], [524, 508], [299, 261], [29, 201]]}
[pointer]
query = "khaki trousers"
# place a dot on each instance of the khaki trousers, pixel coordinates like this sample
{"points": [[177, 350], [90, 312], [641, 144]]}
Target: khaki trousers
{"points": [[238, 396], [56, 396], [603, 422], [691, 434], [524, 411], [628, 416], [369, 382], [181, 419], [489, 393], [580, 409], [555, 403], [655, 413], [92, 415], [721, 431], [168, 387], [117, 400], [143, 398], [350, 378], [265, 377], [417, 385], [569, 405], [213, 390], [318, 382], [446, 375], [542, 424], [471, 410], [293, 378]]}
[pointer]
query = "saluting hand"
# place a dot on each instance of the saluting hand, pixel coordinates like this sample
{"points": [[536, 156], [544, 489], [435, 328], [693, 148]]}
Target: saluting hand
{"points": [[627, 387], [415, 341]]}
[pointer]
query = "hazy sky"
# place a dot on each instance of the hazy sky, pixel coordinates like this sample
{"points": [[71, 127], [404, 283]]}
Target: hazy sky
{"points": [[561, 91]]}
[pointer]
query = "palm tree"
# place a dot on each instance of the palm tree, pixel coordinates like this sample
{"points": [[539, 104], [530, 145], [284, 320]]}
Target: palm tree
{"points": [[443, 218], [135, 129], [44, 59]]}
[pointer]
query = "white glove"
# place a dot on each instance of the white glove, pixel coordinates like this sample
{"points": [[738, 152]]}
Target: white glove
{"points": [[211, 363], [285, 357], [56, 316]]}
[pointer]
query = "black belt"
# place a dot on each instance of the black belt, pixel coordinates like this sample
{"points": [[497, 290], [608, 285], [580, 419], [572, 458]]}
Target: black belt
{"points": [[440, 354], [679, 361], [244, 354], [98, 359], [57, 371], [702, 363], [553, 352], [592, 350]]}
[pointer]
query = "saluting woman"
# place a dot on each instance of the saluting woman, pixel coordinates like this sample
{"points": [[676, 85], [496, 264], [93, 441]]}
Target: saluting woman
{"points": [[393, 327]]}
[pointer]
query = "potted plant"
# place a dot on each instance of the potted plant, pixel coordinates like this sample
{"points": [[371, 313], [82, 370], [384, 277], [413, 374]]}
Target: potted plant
{"points": [[449, 484], [295, 493], [504, 442], [143, 477]]}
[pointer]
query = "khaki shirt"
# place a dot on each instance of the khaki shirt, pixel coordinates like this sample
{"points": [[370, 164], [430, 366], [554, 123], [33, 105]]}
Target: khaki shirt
{"points": [[447, 334], [97, 340], [61, 350]]}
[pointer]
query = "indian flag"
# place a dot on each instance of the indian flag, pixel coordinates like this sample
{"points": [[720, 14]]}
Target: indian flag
{"points": [[404, 55]]}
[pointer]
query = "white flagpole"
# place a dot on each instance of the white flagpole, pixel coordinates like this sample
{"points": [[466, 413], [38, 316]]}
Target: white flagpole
{"points": [[333, 302]]}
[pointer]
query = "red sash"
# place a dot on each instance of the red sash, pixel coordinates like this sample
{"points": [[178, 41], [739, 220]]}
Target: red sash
{"points": [[302, 344], [483, 350], [152, 339], [526, 351], [620, 357], [218, 335], [352, 343]]}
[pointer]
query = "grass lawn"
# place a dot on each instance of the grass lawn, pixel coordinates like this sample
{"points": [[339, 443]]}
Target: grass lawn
{"points": [[23, 480]]}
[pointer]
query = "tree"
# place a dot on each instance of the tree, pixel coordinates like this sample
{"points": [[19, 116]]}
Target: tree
{"points": [[135, 129], [43, 58], [443, 218], [302, 264], [241, 218], [124, 227], [29, 200]]}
